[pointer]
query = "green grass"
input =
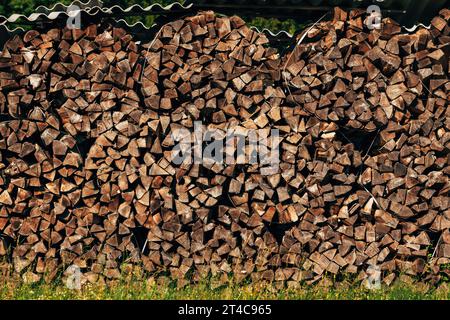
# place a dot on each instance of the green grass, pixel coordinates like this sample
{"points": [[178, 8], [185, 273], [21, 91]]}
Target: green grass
{"points": [[148, 288]]}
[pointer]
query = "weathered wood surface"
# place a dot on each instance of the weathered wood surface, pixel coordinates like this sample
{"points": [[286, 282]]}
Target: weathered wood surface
{"points": [[87, 175]]}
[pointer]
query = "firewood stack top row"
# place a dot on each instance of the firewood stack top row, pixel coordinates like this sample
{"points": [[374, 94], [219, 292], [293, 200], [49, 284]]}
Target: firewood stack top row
{"points": [[90, 120]]}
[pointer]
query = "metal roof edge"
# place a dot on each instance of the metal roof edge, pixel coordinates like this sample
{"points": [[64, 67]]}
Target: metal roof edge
{"points": [[93, 9], [63, 7], [155, 8]]}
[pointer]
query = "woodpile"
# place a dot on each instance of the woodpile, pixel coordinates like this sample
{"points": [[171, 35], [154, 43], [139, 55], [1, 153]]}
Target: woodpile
{"points": [[90, 120], [389, 92]]}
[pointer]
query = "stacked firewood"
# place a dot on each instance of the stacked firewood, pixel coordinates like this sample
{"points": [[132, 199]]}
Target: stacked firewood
{"points": [[69, 88], [93, 125], [388, 91]]}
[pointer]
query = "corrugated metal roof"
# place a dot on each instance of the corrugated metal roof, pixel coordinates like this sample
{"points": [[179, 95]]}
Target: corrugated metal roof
{"points": [[94, 8], [90, 4], [45, 14], [311, 9], [88, 11], [407, 12], [394, 4]]}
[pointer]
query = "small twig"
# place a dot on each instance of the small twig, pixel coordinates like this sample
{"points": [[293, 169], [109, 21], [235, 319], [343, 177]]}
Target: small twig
{"points": [[426, 87], [292, 52], [371, 144], [340, 132], [148, 49], [437, 246], [373, 197], [301, 39], [145, 245]]}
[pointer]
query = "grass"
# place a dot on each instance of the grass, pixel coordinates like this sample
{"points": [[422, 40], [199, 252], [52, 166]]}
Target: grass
{"points": [[147, 288]]}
